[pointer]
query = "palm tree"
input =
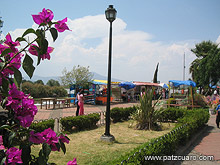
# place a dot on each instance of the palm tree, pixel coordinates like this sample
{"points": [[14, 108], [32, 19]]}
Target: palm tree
{"points": [[205, 68]]}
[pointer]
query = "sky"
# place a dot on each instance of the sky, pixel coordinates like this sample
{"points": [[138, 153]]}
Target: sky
{"points": [[145, 32]]}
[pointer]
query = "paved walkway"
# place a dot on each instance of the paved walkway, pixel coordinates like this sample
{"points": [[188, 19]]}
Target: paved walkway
{"points": [[207, 143], [44, 114]]}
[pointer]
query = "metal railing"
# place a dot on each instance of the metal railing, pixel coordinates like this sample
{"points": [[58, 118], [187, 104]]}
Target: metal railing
{"points": [[58, 126]]}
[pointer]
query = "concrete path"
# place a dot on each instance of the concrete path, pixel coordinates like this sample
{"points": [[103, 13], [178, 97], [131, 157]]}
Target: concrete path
{"points": [[206, 147], [44, 114]]}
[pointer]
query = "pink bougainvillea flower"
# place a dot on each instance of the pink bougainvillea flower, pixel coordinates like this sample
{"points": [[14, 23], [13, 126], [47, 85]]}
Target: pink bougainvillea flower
{"points": [[36, 138], [43, 17], [14, 92], [63, 139], [14, 155], [11, 44], [25, 121], [32, 49], [50, 136], [61, 26], [47, 55], [23, 107], [72, 162], [14, 63], [2, 147], [2, 48]]}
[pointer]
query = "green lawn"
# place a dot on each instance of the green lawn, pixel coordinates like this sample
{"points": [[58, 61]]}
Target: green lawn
{"points": [[88, 149]]}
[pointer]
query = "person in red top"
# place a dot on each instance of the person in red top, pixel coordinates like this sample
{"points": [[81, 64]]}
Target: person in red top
{"points": [[182, 91]]}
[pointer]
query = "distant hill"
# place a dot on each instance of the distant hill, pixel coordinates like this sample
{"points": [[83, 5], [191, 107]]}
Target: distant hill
{"points": [[101, 77], [46, 79]]}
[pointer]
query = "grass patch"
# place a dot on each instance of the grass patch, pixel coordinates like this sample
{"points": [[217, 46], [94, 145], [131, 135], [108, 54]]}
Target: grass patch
{"points": [[88, 149]]}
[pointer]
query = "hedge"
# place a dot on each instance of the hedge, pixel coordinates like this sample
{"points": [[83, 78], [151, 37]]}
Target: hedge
{"points": [[172, 114], [79, 122], [42, 125], [188, 125], [121, 114]]}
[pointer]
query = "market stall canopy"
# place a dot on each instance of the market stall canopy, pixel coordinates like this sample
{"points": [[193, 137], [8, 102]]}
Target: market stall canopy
{"points": [[177, 83], [138, 83], [103, 82], [100, 82], [127, 85]]}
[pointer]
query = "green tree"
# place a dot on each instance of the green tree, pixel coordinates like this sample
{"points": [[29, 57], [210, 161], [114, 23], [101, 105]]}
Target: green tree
{"points": [[28, 88], [53, 83], [79, 75], [39, 82], [205, 68], [58, 91]]}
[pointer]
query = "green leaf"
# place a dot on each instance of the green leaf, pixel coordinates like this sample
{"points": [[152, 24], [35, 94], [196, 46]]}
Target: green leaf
{"points": [[42, 50], [12, 135], [41, 159], [63, 147], [28, 65], [46, 150], [54, 33], [21, 39], [17, 77], [42, 24], [44, 46], [26, 153], [2, 63], [3, 160], [30, 30], [5, 86], [6, 51], [38, 60], [5, 127]]}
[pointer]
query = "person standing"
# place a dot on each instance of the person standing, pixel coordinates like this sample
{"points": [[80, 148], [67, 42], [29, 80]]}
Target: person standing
{"points": [[81, 102], [77, 102], [218, 115]]}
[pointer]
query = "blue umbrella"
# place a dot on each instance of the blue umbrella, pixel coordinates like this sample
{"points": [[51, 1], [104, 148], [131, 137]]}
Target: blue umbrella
{"points": [[212, 86], [163, 85], [127, 85]]}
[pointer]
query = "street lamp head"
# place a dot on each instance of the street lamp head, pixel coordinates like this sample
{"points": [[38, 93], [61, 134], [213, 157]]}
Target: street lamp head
{"points": [[1, 22], [110, 13]]}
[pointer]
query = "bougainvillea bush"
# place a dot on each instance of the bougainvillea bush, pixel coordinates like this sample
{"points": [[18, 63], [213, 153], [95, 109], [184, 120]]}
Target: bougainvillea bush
{"points": [[16, 138]]}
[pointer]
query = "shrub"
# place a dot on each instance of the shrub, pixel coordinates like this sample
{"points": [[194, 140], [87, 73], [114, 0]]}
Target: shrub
{"points": [[189, 124], [200, 100], [121, 114], [80, 122], [146, 114], [171, 114], [42, 125]]}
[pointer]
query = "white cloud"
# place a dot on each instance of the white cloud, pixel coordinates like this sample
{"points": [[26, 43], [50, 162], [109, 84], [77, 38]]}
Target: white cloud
{"points": [[134, 55], [218, 40]]}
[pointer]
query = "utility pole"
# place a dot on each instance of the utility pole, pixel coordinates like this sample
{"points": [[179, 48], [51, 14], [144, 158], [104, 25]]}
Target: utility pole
{"points": [[184, 67]]}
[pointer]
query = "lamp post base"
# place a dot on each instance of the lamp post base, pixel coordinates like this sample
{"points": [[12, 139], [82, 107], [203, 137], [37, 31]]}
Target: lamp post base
{"points": [[107, 138]]}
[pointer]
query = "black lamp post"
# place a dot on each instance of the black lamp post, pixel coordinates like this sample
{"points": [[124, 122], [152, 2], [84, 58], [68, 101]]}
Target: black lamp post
{"points": [[1, 24], [110, 14]]}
